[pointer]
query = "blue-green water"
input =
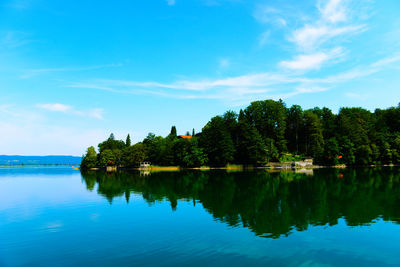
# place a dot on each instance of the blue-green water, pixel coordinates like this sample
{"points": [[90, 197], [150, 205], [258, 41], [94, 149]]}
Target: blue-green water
{"points": [[59, 217]]}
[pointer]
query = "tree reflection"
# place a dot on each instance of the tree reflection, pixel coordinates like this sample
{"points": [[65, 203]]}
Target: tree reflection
{"points": [[270, 204]]}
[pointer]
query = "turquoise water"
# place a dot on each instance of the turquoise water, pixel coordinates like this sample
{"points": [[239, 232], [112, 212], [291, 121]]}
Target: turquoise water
{"points": [[59, 217]]}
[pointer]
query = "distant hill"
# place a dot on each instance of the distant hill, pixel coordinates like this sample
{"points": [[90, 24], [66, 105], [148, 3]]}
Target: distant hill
{"points": [[39, 160]]}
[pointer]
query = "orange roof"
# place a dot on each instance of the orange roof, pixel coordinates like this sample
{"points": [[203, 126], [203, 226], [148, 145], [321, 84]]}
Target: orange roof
{"points": [[185, 136]]}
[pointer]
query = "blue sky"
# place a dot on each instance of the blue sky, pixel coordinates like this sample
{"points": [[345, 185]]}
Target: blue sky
{"points": [[72, 72]]}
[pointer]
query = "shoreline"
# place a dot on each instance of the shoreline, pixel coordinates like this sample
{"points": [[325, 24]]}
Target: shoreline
{"points": [[235, 168]]}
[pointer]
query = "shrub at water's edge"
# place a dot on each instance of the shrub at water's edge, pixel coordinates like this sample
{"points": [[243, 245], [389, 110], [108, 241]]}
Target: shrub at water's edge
{"points": [[266, 131]]}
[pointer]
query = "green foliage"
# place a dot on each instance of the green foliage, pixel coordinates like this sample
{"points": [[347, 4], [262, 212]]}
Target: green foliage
{"points": [[111, 144], [269, 118], [188, 153], [294, 123], [250, 145], [272, 150], [287, 157], [313, 135], [332, 152], [267, 131], [217, 142], [133, 155], [107, 158], [89, 159]]}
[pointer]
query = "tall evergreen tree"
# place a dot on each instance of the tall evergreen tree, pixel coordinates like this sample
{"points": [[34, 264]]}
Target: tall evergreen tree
{"points": [[128, 141], [173, 131]]}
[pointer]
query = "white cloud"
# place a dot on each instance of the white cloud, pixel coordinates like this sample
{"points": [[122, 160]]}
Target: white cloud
{"points": [[333, 11], [311, 37], [333, 21], [245, 88], [306, 62], [311, 61], [55, 107], [386, 61], [96, 113]]}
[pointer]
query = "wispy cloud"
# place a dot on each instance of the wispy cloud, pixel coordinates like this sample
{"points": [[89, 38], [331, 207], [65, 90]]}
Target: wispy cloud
{"points": [[171, 2], [29, 73], [55, 107], [333, 21], [244, 88], [270, 15], [264, 38], [333, 10], [316, 45], [311, 37], [318, 39], [96, 113], [311, 61], [14, 39]]}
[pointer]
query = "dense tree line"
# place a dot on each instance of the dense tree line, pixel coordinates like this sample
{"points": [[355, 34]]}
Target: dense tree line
{"points": [[267, 131]]}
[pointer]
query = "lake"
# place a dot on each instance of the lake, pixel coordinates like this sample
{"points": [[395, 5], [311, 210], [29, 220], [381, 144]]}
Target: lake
{"points": [[56, 216]]}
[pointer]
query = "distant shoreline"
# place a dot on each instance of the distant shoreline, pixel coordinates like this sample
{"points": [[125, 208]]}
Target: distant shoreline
{"points": [[40, 165]]}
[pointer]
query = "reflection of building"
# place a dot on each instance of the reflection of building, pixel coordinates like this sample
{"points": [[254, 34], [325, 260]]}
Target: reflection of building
{"points": [[305, 171], [144, 173]]}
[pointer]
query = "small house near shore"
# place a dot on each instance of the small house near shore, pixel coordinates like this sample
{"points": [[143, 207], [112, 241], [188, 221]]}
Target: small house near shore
{"points": [[304, 163], [145, 164]]}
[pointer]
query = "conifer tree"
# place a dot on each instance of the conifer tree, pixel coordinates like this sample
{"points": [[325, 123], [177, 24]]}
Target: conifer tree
{"points": [[173, 131], [128, 141]]}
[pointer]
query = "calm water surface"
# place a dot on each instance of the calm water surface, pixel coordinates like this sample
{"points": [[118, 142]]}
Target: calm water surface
{"points": [[60, 217]]}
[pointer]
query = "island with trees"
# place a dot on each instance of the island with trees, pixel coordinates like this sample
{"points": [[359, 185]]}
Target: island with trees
{"points": [[266, 131]]}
